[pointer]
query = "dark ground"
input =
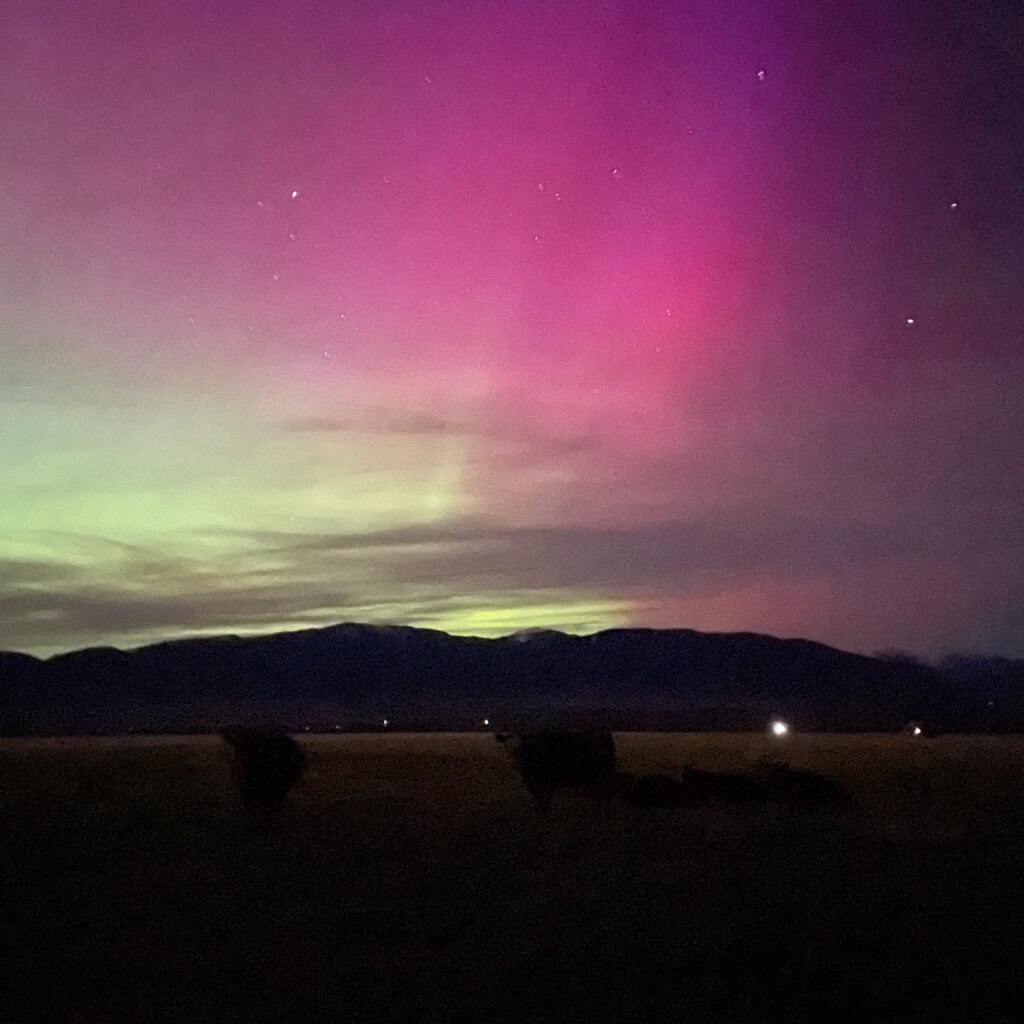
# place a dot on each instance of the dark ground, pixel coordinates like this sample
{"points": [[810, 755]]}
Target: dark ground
{"points": [[410, 881]]}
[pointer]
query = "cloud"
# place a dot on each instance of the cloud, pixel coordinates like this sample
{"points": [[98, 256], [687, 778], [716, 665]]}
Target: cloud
{"points": [[680, 554], [316, 425], [850, 582], [26, 573], [67, 606], [390, 421], [376, 420]]}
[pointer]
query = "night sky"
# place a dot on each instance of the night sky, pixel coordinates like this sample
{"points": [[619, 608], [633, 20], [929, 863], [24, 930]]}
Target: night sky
{"points": [[494, 315]]}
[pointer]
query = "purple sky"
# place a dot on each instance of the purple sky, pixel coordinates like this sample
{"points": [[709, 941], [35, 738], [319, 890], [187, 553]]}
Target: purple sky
{"points": [[486, 316]]}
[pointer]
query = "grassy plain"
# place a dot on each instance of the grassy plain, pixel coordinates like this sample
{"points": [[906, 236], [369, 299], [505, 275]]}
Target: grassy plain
{"points": [[410, 881]]}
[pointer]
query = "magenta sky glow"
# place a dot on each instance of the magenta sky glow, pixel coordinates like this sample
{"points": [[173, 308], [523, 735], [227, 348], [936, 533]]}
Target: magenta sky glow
{"points": [[488, 316]]}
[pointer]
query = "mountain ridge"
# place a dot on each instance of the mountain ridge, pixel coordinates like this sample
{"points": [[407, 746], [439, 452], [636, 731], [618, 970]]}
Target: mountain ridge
{"points": [[350, 675]]}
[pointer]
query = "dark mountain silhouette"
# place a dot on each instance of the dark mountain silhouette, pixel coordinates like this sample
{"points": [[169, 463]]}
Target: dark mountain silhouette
{"points": [[354, 676]]}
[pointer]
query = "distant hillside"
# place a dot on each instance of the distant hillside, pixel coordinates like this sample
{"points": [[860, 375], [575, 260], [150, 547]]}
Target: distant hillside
{"points": [[353, 676]]}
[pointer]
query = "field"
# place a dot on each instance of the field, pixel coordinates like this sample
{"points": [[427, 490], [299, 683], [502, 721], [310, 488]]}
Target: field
{"points": [[411, 881]]}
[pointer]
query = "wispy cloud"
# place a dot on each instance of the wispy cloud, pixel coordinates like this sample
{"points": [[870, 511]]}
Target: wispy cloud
{"points": [[316, 425], [394, 421]]}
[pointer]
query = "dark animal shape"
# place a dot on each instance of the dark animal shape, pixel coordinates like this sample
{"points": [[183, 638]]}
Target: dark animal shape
{"points": [[549, 761], [656, 791], [728, 787], [792, 786], [267, 766]]}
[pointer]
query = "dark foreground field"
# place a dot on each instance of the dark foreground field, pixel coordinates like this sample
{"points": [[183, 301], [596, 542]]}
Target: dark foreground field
{"points": [[410, 881]]}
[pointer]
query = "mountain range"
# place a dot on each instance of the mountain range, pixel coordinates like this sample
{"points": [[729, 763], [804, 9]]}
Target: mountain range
{"points": [[357, 677]]}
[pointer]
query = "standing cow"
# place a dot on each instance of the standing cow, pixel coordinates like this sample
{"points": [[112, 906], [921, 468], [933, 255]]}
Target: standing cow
{"points": [[547, 761], [267, 765]]}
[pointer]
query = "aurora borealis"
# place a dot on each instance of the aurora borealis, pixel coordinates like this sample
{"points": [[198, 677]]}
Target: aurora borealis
{"points": [[493, 316]]}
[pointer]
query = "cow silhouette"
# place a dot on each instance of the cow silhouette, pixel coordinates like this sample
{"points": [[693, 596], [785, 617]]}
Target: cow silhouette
{"points": [[553, 760], [267, 766], [653, 790], [798, 788]]}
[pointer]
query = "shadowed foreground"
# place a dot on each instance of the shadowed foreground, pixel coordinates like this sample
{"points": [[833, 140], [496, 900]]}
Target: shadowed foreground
{"points": [[409, 879]]}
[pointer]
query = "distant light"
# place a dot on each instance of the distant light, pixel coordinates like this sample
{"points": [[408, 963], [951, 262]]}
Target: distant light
{"points": [[487, 721], [917, 730], [760, 75], [385, 723], [953, 205], [295, 193], [779, 728], [910, 321]]}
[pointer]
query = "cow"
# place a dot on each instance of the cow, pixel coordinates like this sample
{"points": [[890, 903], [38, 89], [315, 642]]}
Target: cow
{"points": [[548, 761], [655, 790], [695, 786], [797, 788], [726, 787], [267, 766]]}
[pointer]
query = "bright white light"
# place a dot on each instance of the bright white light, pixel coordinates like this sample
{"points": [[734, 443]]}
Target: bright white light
{"points": [[385, 723], [760, 75], [487, 721], [295, 193], [917, 730], [910, 321], [780, 728]]}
